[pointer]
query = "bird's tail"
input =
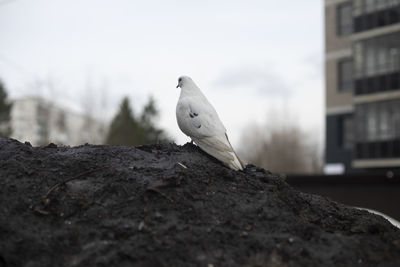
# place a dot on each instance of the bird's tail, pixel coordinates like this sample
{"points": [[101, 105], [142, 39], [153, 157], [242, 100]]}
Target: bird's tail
{"points": [[238, 162], [220, 150]]}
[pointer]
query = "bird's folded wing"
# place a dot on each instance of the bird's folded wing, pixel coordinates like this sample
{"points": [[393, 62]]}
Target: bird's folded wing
{"points": [[205, 121]]}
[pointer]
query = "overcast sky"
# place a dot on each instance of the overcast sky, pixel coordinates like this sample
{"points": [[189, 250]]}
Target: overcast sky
{"points": [[248, 57]]}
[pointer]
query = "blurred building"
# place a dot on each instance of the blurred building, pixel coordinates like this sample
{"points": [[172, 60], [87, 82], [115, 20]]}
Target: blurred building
{"points": [[362, 67], [40, 122]]}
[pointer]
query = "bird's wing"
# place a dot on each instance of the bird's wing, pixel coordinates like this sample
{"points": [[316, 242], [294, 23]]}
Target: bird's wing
{"points": [[204, 120], [211, 135], [200, 121]]}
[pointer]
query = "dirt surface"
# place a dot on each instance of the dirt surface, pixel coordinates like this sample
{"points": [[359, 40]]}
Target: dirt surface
{"points": [[125, 206]]}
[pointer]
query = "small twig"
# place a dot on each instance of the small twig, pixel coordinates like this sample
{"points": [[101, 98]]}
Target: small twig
{"points": [[161, 193], [183, 166], [88, 204], [42, 212], [125, 190], [70, 179]]}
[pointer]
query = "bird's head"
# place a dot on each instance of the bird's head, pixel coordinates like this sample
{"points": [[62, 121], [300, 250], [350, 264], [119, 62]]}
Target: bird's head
{"points": [[184, 80]]}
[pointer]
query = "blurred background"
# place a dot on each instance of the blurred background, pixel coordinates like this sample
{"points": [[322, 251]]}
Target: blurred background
{"points": [[68, 65], [305, 88]]}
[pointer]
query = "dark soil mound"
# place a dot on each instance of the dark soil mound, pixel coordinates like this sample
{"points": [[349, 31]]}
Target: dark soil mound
{"points": [[125, 206]]}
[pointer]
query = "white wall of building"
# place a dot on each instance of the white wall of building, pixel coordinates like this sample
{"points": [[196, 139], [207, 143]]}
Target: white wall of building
{"points": [[41, 122]]}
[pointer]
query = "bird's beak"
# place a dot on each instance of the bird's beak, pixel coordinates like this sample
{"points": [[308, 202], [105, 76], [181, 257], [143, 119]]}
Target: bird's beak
{"points": [[177, 85]]}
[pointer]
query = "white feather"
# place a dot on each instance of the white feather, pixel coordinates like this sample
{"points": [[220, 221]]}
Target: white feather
{"points": [[198, 119]]}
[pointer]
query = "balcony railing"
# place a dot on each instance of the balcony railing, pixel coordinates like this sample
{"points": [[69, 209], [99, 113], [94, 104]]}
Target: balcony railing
{"points": [[378, 149], [379, 18], [378, 83]]}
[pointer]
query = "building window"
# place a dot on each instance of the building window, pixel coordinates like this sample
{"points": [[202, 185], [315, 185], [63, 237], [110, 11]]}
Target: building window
{"points": [[378, 121], [377, 127], [345, 75], [346, 131], [377, 64], [344, 19], [370, 14]]}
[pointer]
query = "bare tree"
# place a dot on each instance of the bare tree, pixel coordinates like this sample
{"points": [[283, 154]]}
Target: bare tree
{"points": [[281, 146], [94, 104]]}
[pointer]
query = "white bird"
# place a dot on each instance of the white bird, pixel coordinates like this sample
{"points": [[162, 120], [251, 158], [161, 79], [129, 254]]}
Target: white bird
{"points": [[198, 119]]}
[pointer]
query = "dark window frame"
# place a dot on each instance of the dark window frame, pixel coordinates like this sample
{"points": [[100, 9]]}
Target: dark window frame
{"points": [[344, 28], [342, 84], [377, 64], [368, 17], [386, 141], [345, 135]]}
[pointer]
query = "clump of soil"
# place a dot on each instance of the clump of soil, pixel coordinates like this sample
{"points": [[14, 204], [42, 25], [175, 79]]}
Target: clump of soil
{"points": [[169, 205]]}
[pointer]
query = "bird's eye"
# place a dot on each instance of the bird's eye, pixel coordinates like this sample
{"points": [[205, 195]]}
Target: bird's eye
{"points": [[179, 80]]}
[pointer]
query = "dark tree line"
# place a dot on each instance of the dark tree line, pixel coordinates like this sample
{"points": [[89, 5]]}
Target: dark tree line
{"points": [[5, 107], [129, 129], [126, 128]]}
